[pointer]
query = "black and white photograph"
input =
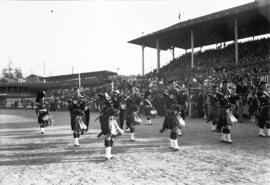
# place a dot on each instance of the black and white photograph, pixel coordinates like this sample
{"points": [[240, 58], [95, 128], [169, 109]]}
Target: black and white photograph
{"points": [[134, 92]]}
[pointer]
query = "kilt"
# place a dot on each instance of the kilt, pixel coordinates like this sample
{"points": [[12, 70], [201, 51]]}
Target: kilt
{"points": [[130, 115], [222, 119], [104, 120], [264, 116], [171, 121], [147, 111]]}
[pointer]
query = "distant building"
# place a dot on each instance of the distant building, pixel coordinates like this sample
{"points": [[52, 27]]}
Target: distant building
{"points": [[4, 80], [34, 79]]}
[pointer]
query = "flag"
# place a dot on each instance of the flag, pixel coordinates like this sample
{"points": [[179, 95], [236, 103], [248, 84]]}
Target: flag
{"points": [[179, 16]]}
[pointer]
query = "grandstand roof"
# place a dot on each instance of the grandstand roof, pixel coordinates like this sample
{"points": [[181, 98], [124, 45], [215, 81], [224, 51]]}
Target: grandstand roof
{"points": [[253, 19], [83, 75]]}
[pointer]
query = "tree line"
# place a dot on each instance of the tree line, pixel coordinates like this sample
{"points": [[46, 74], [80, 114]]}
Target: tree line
{"points": [[11, 72]]}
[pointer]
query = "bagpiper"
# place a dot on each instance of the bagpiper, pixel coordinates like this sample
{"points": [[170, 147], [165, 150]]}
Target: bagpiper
{"points": [[118, 101], [173, 119], [264, 111], [225, 116], [77, 107], [132, 118], [212, 108], [108, 122], [148, 107], [44, 117]]}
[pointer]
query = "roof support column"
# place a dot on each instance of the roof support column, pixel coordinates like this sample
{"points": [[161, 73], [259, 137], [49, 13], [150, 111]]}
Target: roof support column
{"points": [[142, 60], [192, 49], [236, 42], [79, 80], [173, 56], [158, 56]]}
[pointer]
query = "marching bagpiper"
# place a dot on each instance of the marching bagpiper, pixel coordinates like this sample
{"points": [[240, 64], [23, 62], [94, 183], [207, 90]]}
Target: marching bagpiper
{"points": [[44, 117], [119, 102], [108, 122], [225, 116], [77, 107], [173, 119], [148, 107], [132, 118], [212, 108], [264, 111]]}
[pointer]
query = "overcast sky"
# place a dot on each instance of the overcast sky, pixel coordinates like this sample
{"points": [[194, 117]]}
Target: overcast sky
{"points": [[90, 35]]}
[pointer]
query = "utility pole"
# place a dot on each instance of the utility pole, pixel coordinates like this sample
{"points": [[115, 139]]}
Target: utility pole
{"points": [[44, 69]]}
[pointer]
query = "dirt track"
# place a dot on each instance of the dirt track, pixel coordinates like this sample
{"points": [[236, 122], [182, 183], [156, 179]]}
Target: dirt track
{"points": [[27, 157]]}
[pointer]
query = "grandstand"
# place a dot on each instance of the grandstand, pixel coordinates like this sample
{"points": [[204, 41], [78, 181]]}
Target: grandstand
{"points": [[34, 83], [249, 20], [253, 57]]}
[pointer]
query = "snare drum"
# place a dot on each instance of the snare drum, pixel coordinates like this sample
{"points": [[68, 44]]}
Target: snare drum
{"points": [[153, 112]]}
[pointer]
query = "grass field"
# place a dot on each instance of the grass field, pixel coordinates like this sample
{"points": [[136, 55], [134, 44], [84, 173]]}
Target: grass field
{"points": [[29, 158]]}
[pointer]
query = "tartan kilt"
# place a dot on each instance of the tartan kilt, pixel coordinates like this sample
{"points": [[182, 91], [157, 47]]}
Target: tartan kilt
{"points": [[265, 114], [171, 121], [222, 120]]}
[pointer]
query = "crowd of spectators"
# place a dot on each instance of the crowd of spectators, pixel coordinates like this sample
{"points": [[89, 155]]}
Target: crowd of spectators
{"points": [[254, 57], [212, 67]]}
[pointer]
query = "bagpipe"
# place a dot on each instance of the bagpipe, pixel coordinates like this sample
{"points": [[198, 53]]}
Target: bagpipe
{"points": [[149, 109], [230, 117], [108, 121], [181, 122], [174, 121], [114, 127], [85, 99], [79, 124], [135, 118]]}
